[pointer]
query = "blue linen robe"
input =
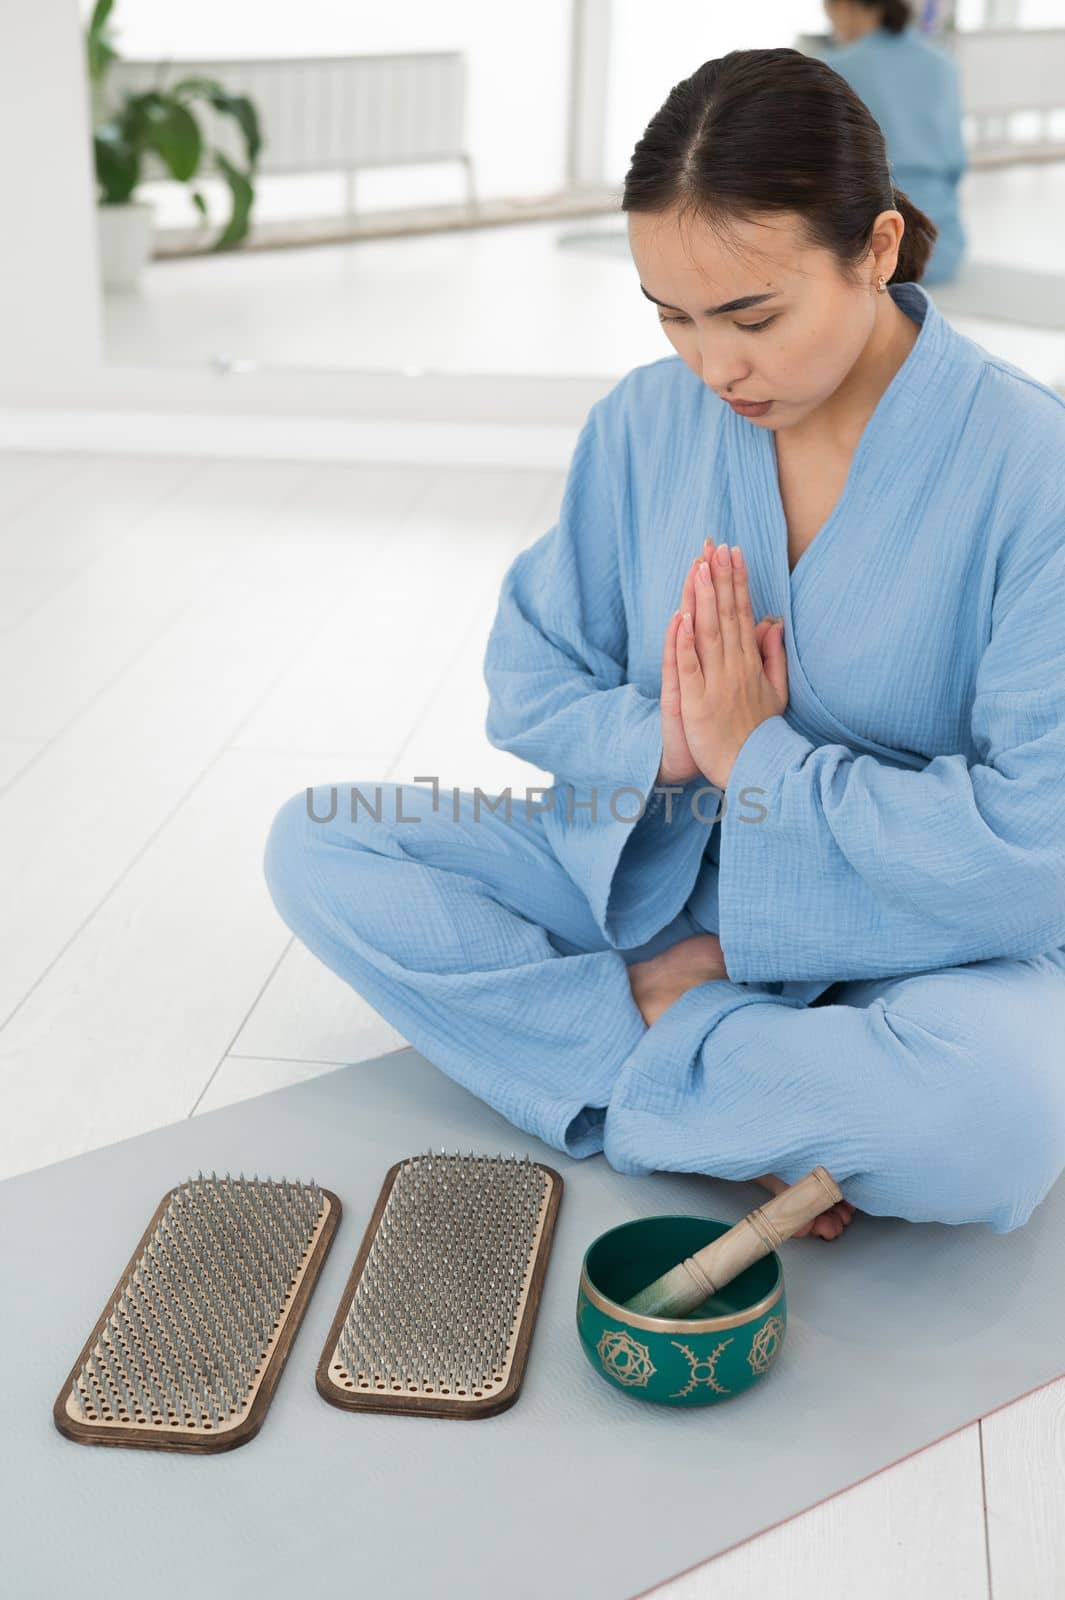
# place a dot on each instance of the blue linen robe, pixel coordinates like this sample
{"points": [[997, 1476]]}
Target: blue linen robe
{"points": [[896, 835], [915, 784], [911, 87]]}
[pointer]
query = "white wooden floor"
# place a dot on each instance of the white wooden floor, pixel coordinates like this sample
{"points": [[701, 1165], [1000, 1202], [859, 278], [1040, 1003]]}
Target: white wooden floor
{"points": [[183, 644]]}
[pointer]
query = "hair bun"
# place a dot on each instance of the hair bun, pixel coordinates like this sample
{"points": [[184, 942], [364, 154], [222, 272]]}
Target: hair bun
{"points": [[895, 15], [918, 239]]}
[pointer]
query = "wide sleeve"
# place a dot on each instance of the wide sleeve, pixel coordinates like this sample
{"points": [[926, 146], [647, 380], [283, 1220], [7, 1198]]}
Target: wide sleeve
{"points": [[834, 865], [555, 667]]}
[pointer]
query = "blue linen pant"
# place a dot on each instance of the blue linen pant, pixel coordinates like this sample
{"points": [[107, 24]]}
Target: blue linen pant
{"points": [[934, 1096]]}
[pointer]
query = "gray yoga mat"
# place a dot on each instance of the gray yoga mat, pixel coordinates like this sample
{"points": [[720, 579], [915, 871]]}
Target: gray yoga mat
{"points": [[992, 290], [1000, 293], [899, 1333]]}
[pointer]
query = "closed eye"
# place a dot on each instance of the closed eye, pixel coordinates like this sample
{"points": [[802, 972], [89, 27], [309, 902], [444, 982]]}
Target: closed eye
{"points": [[747, 327]]}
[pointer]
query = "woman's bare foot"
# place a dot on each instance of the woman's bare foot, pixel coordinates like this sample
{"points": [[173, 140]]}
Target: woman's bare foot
{"points": [[658, 982], [829, 1225]]}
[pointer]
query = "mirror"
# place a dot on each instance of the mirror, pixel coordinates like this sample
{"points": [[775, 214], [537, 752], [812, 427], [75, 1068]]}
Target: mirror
{"points": [[437, 190]]}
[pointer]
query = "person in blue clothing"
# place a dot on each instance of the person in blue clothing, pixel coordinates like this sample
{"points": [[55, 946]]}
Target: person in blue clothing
{"points": [[793, 654], [911, 87]]}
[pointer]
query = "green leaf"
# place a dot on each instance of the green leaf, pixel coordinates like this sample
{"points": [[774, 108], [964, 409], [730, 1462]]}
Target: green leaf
{"points": [[159, 119], [100, 13], [173, 133], [243, 196], [104, 53], [117, 164], [135, 113], [98, 45], [237, 106], [243, 112]]}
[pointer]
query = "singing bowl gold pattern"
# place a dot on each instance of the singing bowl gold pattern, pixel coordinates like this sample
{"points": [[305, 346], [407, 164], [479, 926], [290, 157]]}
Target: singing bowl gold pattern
{"points": [[719, 1349]]}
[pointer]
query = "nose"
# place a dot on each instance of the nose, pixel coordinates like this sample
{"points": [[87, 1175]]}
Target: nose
{"points": [[720, 363]]}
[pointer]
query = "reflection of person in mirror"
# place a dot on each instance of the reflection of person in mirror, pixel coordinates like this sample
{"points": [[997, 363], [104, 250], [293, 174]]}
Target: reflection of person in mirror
{"points": [[911, 86]]}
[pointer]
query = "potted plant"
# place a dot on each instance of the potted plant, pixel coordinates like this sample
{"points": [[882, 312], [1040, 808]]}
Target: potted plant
{"points": [[161, 120]]}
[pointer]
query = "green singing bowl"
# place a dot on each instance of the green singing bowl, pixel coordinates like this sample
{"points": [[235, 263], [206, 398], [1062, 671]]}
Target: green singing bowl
{"points": [[717, 1350]]}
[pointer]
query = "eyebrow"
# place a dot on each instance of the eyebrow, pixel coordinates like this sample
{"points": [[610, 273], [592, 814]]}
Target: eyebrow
{"points": [[716, 311]]}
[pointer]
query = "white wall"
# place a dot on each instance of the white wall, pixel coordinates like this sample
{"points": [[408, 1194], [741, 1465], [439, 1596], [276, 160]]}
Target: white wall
{"points": [[50, 316], [654, 47]]}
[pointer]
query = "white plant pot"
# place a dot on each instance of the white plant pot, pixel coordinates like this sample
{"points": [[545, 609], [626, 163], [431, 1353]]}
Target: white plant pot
{"points": [[125, 242]]}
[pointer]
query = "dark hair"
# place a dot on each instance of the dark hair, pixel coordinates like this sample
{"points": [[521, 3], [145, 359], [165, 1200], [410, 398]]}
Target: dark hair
{"points": [[896, 13], [775, 130]]}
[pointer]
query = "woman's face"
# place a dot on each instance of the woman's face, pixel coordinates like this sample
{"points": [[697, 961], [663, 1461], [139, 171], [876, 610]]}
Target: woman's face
{"points": [[849, 21], [795, 347]]}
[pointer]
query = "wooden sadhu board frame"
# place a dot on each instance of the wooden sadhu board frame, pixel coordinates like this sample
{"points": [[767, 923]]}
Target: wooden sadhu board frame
{"points": [[418, 1390], [156, 1432]]}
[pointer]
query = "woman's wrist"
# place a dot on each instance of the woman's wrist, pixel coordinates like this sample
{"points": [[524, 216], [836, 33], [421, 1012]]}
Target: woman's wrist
{"points": [[668, 779]]}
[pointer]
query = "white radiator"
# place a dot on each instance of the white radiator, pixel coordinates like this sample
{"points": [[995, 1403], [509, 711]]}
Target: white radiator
{"points": [[328, 114]]}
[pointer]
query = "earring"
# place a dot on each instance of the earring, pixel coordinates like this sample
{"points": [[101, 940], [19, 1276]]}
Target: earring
{"points": [[881, 284]]}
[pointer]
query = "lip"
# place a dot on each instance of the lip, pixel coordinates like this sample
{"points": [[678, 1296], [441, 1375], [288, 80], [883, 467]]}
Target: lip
{"points": [[750, 408]]}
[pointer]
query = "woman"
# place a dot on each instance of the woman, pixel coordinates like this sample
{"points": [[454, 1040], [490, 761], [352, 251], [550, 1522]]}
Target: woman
{"points": [[911, 87], [855, 958]]}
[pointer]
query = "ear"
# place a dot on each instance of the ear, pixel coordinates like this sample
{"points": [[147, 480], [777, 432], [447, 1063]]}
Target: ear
{"points": [[886, 242]]}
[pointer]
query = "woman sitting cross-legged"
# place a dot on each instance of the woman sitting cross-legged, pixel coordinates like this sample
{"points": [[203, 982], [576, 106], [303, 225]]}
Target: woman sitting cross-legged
{"points": [[793, 652]]}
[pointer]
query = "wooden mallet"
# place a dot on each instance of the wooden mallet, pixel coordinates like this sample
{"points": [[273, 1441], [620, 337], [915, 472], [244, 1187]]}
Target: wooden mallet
{"points": [[695, 1279]]}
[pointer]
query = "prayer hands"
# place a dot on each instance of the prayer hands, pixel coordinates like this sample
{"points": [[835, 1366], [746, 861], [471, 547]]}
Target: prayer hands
{"points": [[721, 679]]}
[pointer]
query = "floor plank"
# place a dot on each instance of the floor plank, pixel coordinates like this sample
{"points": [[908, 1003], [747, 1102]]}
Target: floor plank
{"points": [[126, 598], [84, 505], [442, 581], [374, 663], [14, 755], [241, 1077], [448, 738], [1024, 1470], [915, 1530], [129, 1023], [307, 1013], [26, 481], [21, 593], [103, 1006], [73, 822]]}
